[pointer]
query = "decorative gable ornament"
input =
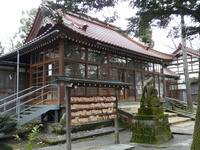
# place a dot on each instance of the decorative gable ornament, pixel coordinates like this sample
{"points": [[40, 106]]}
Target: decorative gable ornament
{"points": [[46, 21]]}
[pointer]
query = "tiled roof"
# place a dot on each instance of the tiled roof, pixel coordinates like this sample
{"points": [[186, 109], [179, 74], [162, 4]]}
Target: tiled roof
{"points": [[195, 52], [105, 33], [170, 73]]}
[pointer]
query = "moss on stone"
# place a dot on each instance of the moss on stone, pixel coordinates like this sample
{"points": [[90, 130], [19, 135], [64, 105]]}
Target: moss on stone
{"points": [[53, 142], [151, 124]]}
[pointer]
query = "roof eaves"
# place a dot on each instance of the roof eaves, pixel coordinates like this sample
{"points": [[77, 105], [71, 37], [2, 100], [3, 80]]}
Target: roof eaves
{"points": [[128, 51], [170, 73], [167, 56], [30, 43]]}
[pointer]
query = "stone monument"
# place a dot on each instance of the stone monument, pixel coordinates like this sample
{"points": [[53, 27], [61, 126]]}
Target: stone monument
{"points": [[151, 124]]}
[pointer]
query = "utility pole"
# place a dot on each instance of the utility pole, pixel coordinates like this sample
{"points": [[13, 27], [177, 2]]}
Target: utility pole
{"points": [[188, 91]]}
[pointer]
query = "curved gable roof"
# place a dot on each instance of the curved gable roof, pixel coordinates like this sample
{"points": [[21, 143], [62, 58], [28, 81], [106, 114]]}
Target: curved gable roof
{"points": [[96, 30]]}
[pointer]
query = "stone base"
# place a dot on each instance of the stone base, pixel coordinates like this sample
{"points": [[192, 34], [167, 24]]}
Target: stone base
{"points": [[150, 111], [152, 129]]}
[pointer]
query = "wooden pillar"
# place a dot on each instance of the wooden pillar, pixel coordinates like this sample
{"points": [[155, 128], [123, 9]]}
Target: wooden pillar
{"points": [[61, 68], [68, 117], [116, 119], [134, 88]]}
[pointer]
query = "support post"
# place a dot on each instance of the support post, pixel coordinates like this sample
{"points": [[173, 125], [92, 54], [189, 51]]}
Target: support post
{"points": [[68, 118], [59, 91], [17, 88], [42, 95], [56, 116], [116, 120]]}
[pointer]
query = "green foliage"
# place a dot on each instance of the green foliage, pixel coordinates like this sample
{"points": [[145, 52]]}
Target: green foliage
{"points": [[79, 7], [143, 33], [160, 13], [7, 124], [26, 22], [5, 147], [193, 80], [31, 136]]}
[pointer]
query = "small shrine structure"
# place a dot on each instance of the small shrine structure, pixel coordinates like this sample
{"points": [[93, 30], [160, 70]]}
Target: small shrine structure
{"points": [[108, 108], [151, 124]]}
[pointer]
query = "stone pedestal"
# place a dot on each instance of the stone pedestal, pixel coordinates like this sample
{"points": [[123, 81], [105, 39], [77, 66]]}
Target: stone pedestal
{"points": [[151, 124]]}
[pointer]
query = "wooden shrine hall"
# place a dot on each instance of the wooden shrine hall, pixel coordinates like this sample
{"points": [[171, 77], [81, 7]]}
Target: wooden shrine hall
{"points": [[77, 47]]}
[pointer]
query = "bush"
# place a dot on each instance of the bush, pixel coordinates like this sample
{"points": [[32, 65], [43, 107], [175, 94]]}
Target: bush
{"points": [[5, 147], [31, 136], [7, 124]]}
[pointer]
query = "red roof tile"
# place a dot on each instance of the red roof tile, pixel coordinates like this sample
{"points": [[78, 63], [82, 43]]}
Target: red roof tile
{"points": [[107, 34]]}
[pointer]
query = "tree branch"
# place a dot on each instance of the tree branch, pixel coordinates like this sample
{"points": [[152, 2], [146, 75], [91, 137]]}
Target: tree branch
{"points": [[195, 14]]}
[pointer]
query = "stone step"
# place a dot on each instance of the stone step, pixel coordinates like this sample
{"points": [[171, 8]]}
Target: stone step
{"points": [[133, 109], [120, 147], [178, 120], [185, 124], [174, 118], [170, 115]]}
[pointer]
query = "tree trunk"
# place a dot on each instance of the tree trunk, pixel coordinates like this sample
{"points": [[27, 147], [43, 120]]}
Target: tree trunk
{"points": [[188, 91], [196, 135]]}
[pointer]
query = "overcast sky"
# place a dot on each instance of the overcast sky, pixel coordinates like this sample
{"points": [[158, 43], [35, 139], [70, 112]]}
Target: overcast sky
{"points": [[10, 14]]}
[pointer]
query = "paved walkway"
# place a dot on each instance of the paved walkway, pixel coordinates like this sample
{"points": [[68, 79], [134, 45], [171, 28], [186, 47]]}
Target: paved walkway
{"points": [[182, 141]]}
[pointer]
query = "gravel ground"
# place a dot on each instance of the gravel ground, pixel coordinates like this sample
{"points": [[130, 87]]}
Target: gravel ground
{"points": [[53, 137]]}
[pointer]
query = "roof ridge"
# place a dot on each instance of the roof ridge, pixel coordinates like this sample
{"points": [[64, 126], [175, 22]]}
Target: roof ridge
{"points": [[93, 20], [188, 49]]}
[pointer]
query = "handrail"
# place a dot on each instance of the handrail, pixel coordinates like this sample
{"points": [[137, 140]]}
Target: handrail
{"points": [[18, 93], [25, 95], [18, 106], [35, 91], [169, 98]]}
